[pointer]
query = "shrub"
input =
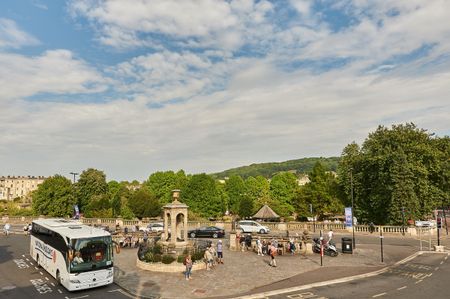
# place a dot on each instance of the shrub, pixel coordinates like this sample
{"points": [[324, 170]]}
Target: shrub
{"points": [[167, 259], [148, 257], [180, 258], [198, 255], [157, 258], [157, 249]]}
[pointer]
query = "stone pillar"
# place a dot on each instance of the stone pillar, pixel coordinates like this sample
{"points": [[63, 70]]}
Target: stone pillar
{"points": [[185, 235], [173, 229]]}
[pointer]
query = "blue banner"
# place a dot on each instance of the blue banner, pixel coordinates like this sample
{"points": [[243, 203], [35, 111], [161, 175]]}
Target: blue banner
{"points": [[348, 217]]}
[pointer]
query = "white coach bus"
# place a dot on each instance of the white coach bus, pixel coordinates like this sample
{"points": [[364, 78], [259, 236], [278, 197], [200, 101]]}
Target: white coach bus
{"points": [[76, 255]]}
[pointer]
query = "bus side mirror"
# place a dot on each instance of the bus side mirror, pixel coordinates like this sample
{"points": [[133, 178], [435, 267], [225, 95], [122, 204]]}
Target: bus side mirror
{"points": [[70, 254]]}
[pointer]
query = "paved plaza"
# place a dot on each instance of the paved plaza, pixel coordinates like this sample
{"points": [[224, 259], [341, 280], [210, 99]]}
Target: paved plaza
{"points": [[246, 272]]}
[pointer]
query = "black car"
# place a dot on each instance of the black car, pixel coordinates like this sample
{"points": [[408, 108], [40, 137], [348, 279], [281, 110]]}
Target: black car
{"points": [[207, 231]]}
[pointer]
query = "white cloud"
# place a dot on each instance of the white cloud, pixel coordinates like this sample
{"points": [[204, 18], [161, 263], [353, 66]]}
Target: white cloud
{"points": [[12, 37], [211, 23], [55, 71]]}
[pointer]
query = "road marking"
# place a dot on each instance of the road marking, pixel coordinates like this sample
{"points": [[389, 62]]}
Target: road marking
{"points": [[23, 255], [36, 268], [52, 284], [41, 273], [59, 291], [130, 296], [379, 295], [77, 297], [419, 281], [46, 278], [399, 289], [27, 259], [437, 268], [445, 258]]}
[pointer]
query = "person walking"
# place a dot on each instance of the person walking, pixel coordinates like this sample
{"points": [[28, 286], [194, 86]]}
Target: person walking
{"points": [[259, 246], [220, 252], [272, 253], [208, 259], [6, 228], [188, 263], [330, 235]]}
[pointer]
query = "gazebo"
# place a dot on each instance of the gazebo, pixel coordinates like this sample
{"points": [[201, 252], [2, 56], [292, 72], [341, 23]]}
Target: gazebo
{"points": [[266, 213]]}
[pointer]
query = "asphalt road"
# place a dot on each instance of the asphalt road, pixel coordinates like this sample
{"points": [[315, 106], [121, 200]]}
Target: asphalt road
{"points": [[20, 278], [425, 276]]}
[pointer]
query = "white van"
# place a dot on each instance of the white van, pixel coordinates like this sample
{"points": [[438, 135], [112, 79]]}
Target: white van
{"points": [[250, 226]]}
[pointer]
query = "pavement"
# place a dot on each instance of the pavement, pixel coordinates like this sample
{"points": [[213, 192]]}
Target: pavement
{"points": [[245, 273]]}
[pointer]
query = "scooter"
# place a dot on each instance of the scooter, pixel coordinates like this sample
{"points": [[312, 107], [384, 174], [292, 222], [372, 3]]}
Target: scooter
{"points": [[329, 248]]}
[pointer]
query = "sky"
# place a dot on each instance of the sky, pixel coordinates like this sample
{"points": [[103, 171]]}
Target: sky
{"points": [[139, 86]]}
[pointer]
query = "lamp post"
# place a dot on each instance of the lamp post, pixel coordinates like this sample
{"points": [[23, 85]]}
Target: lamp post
{"points": [[353, 210], [74, 174], [403, 220]]}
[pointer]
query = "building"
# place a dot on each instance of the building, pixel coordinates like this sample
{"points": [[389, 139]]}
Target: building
{"points": [[12, 187]]}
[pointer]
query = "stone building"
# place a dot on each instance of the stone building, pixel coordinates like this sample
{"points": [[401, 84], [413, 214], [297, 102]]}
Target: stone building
{"points": [[18, 186]]}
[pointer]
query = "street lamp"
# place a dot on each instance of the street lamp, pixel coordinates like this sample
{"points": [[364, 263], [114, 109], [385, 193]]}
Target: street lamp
{"points": [[353, 210], [74, 174], [403, 220]]}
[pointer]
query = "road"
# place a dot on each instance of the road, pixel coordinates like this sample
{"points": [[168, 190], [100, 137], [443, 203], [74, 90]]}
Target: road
{"points": [[20, 278], [425, 276]]}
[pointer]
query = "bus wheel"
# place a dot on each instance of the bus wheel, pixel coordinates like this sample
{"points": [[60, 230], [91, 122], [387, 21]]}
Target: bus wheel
{"points": [[58, 277]]}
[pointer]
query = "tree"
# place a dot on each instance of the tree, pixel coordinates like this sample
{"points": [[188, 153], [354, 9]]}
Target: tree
{"points": [[395, 167], [162, 183], [246, 207], [257, 189], [202, 196], [54, 197], [235, 189], [320, 192], [99, 207], [144, 204], [92, 182], [283, 188]]}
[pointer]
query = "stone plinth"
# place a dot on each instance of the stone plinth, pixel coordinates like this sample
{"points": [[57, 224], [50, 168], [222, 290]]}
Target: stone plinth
{"points": [[169, 268]]}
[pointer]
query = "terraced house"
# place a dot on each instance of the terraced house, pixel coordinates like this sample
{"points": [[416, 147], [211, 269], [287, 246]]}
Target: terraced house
{"points": [[12, 187]]}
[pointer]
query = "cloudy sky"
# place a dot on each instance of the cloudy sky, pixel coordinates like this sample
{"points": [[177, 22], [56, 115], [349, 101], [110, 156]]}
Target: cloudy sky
{"points": [[133, 87]]}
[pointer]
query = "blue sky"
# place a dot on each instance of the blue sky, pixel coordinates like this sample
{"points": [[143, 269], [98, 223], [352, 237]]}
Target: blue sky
{"points": [[133, 87]]}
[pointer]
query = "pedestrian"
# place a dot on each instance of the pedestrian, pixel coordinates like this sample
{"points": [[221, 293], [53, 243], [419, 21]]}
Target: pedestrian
{"points": [[6, 228], [248, 241], [220, 252], [188, 263], [208, 259], [259, 246], [292, 246], [145, 238], [273, 253], [214, 255], [330, 235], [265, 248], [242, 243]]}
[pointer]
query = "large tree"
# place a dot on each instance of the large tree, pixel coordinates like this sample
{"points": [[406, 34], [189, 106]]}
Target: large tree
{"points": [[283, 188], [54, 197], [321, 193], [397, 169], [202, 196], [235, 188], [144, 204], [162, 183], [92, 182]]}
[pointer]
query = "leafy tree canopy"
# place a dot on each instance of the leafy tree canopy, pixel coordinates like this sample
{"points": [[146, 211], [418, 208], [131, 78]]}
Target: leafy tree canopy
{"points": [[54, 197]]}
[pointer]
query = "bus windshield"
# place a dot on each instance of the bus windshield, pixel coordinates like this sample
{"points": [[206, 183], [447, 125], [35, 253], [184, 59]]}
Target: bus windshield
{"points": [[91, 254]]}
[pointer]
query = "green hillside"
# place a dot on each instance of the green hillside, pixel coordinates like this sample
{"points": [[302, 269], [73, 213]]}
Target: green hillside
{"points": [[270, 169]]}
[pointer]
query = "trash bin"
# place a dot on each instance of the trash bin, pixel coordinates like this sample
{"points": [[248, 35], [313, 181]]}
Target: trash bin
{"points": [[347, 245]]}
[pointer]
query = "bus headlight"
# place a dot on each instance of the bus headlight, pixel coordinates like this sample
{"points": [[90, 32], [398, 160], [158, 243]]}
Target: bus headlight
{"points": [[75, 281]]}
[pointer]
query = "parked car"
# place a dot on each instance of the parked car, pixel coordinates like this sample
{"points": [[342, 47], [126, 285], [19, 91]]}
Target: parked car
{"points": [[250, 226], [427, 223], [207, 231], [153, 227]]}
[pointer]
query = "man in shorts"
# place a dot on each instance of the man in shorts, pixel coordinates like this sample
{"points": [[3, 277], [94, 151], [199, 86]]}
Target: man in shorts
{"points": [[220, 252]]}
